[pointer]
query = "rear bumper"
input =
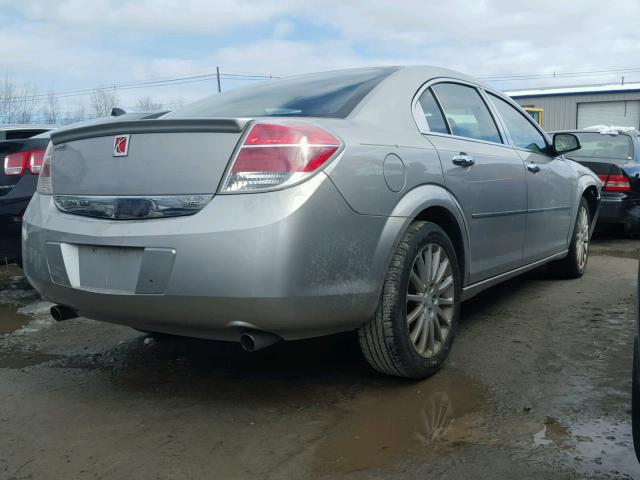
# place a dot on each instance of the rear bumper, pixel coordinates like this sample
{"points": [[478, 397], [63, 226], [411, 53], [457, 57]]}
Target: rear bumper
{"points": [[296, 262], [614, 209]]}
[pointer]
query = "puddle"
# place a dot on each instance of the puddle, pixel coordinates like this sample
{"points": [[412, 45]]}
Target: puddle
{"points": [[553, 432], [597, 444], [404, 419], [10, 320], [16, 360]]}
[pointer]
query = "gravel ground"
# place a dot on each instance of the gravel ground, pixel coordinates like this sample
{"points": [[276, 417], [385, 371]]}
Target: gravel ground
{"points": [[537, 387]]}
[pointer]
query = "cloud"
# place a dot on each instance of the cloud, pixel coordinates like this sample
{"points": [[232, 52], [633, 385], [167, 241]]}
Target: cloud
{"points": [[158, 17], [73, 43]]}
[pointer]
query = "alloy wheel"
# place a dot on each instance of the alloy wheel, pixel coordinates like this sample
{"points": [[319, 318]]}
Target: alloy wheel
{"points": [[430, 300], [582, 237]]}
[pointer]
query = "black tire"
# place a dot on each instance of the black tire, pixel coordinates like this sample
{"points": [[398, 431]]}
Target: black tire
{"points": [[384, 339], [570, 266]]}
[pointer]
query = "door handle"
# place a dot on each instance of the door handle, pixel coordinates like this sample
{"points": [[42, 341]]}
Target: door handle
{"points": [[533, 168], [463, 160]]}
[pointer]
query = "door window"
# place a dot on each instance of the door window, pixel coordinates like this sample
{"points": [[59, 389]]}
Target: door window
{"points": [[523, 133], [432, 113], [466, 112]]}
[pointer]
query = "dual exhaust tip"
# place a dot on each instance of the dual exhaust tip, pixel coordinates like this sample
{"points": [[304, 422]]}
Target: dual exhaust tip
{"points": [[250, 341]]}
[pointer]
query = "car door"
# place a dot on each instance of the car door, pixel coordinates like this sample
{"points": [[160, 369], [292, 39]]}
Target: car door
{"points": [[486, 176], [550, 184]]}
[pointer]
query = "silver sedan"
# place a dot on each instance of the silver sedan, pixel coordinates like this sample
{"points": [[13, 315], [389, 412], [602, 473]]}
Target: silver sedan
{"points": [[374, 200]]}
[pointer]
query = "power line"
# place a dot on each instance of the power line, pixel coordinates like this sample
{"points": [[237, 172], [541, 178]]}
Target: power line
{"points": [[588, 73], [180, 80]]}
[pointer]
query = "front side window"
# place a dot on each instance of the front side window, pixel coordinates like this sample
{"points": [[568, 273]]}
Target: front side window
{"points": [[432, 113], [466, 112], [523, 134]]}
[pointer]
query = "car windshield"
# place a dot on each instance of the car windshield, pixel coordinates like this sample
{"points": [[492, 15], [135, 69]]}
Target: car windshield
{"points": [[616, 148], [331, 94]]}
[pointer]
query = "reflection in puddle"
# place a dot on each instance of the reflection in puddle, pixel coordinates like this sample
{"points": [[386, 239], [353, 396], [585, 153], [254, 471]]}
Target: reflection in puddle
{"points": [[405, 419], [597, 444], [552, 433], [16, 360], [10, 320]]}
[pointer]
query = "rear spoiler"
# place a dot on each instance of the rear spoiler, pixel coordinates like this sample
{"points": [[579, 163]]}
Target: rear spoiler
{"points": [[160, 125]]}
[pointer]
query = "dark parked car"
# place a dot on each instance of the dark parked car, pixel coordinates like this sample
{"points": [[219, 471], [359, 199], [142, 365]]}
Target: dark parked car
{"points": [[22, 161], [613, 153]]}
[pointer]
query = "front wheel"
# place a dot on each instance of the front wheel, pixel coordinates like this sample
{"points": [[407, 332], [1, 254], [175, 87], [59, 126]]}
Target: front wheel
{"points": [[575, 263], [416, 319]]}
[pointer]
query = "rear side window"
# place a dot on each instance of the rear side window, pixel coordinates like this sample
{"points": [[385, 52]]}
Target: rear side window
{"points": [[523, 133], [432, 113], [329, 94], [466, 112]]}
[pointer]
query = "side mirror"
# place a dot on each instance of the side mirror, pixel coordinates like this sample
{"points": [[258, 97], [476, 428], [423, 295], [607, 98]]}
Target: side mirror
{"points": [[565, 142]]}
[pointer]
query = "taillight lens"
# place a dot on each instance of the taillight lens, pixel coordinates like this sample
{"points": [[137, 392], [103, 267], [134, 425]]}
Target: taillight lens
{"points": [[279, 155], [36, 157], [14, 163], [615, 183], [44, 180]]}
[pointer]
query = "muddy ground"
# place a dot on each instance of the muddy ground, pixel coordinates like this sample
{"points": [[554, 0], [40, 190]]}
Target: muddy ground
{"points": [[537, 387]]}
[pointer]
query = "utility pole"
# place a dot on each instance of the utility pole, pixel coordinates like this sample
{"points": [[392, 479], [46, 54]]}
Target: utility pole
{"points": [[218, 77]]}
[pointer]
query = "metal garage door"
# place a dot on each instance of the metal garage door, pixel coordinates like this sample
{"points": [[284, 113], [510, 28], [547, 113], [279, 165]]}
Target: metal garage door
{"points": [[621, 114]]}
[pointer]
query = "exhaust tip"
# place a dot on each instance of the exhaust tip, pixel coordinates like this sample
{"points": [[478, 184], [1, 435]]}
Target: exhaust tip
{"points": [[257, 340], [247, 342], [61, 312]]}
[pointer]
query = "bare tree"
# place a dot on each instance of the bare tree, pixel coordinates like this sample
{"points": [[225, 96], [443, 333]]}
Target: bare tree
{"points": [[8, 94], [147, 104], [102, 101], [17, 102], [27, 103], [51, 109], [78, 114]]}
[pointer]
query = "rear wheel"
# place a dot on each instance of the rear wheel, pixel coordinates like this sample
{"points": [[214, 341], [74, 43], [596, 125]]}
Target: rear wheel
{"points": [[575, 263], [415, 323]]}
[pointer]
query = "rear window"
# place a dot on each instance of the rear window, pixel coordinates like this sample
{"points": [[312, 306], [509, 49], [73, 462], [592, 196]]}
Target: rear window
{"points": [[330, 94], [18, 134], [618, 148]]}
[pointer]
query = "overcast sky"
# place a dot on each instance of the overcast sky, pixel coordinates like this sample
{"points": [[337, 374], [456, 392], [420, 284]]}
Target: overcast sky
{"points": [[70, 44]]}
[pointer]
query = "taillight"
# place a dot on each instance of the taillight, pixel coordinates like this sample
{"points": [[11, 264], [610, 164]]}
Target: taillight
{"points": [[44, 180], [15, 163], [18, 163], [36, 157], [615, 183], [277, 155]]}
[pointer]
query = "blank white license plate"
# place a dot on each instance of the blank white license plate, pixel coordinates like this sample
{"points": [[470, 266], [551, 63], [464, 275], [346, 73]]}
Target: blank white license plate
{"points": [[106, 268]]}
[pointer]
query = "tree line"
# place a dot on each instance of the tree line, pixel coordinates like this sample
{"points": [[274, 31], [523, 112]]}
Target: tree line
{"points": [[23, 103]]}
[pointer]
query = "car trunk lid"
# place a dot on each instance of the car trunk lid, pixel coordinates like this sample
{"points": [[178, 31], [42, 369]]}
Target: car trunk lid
{"points": [[161, 157], [612, 175]]}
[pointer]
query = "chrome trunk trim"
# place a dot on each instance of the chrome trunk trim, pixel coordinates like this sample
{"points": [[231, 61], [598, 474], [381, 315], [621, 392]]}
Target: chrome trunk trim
{"points": [[131, 207]]}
